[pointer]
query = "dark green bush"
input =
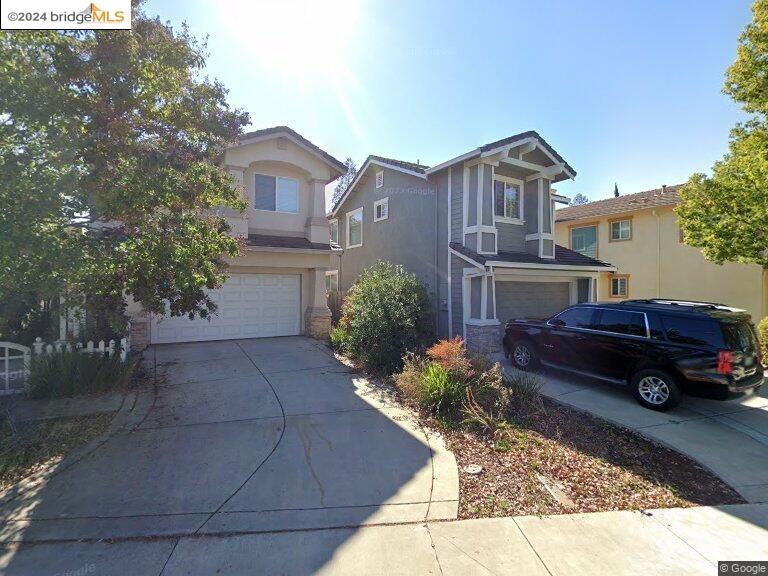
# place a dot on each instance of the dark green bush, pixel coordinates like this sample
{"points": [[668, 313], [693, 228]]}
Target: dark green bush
{"points": [[70, 373], [386, 313], [338, 336]]}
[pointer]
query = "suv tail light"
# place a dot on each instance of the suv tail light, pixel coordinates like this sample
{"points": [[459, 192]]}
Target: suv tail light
{"points": [[725, 362]]}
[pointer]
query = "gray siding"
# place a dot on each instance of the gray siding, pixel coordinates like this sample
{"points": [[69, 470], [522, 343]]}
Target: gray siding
{"points": [[470, 241], [487, 196], [546, 223], [407, 237], [457, 203], [511, 237], [472, 197], [441, 182], [488, 242], [531, 207], [476, 296], [457, 311]]}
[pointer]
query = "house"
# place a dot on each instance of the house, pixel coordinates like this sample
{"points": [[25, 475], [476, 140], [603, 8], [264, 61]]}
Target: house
{"points": [[277, 284], [477, 229], [639, 234]]}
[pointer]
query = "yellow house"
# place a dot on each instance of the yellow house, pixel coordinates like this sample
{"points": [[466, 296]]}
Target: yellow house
{"points": [[640, 236]]}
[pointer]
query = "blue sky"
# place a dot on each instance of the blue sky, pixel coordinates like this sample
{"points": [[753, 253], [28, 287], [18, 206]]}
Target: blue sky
{"points": [[625, 91]]}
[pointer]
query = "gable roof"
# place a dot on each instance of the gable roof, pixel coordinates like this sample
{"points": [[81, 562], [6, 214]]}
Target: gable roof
{"points": [[298, 139], [505, 142], [400, 165], [663, 196]]}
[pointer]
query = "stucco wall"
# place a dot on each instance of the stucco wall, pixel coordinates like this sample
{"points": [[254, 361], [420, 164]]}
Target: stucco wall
{"points": [[676, 271], [406, 237]]}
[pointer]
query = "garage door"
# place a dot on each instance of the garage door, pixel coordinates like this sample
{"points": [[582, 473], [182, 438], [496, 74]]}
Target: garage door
{"points": [[530, 299], [249, 306]]}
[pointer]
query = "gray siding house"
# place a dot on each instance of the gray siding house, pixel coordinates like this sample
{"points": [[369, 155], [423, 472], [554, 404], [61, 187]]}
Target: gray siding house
{"points": [[477, 229]]}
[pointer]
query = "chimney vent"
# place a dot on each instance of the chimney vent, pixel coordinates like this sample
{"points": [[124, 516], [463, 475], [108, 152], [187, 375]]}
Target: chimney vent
{"points": [[663, 188]]}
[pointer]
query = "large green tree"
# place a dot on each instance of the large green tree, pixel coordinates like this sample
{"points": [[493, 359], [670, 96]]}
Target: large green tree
{"points": [[726, 214], [109, 150]]}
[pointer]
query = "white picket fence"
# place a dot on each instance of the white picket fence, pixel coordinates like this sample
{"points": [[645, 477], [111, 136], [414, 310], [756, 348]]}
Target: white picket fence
{"points": [[123, 347], [15, 358]]}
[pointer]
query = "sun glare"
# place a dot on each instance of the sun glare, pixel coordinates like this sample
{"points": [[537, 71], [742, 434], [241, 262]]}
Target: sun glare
{"points": [[297, 38]]}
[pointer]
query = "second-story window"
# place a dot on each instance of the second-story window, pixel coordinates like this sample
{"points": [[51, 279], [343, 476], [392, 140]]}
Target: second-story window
{"points": [[276, 193], [381, 209], [506, 197], [355, 228], [333, 225], [584, 240], [621, 230]]}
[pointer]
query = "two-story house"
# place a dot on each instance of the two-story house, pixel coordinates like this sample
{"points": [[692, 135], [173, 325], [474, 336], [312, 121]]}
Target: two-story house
{"points": [[276, 286], [640, 235], [478, 230]]}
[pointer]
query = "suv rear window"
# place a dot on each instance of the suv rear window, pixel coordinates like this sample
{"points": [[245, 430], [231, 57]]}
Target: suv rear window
{"points": [[621, 322], [740, 336], [696, 331]]}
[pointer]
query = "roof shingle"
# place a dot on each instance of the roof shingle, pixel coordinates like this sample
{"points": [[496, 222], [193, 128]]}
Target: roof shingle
{"points": [[621, 204], [563, 257], [292, 242]]}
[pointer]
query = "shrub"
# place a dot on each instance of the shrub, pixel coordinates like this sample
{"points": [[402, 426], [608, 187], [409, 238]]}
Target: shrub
{"points": [[524, 390], [386, 313], [762, 332], [70, 373], [338, 335], [452, 355], [442, 392]]}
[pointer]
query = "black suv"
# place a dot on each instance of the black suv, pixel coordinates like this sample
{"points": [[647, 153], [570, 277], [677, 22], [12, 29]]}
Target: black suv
{"points": [[661, 348]]}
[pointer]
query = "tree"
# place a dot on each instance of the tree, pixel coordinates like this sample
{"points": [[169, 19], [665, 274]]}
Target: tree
{"points": [[345, 180], [109, 145], [578, 199], [726, 214]]}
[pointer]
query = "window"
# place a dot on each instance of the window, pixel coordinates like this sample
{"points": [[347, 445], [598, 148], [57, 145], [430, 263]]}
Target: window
{"points": [[379, 179], [381, 209], [574, 318], [276, 194], [697, 331], [355, 228], [621, 322], [506, 195], [584, 240], [621, 230], [332, 281], [334, 229], [619, 286]]}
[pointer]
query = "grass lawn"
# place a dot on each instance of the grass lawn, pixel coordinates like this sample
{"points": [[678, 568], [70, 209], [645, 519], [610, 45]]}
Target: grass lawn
{"points": [[31, 447]]}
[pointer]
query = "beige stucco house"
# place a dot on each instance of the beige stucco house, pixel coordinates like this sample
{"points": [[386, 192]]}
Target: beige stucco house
{"points": [[276, 285], [639, 234]]}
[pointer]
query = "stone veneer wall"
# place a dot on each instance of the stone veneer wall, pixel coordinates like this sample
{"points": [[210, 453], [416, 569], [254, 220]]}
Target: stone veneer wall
{"points": [[318, 323], [139, 332], [484, 339]]}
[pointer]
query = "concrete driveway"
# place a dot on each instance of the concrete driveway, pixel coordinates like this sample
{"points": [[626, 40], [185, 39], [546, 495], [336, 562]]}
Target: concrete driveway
{"points": [[728, 437], [243, 437]]}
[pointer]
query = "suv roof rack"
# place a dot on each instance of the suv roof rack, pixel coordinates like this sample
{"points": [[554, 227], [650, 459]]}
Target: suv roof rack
{"points": [[672, 302]]}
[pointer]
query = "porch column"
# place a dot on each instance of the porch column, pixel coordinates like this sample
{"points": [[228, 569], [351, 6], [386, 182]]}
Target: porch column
{"points": [[482, 328], [317, 224], [318, 315]]}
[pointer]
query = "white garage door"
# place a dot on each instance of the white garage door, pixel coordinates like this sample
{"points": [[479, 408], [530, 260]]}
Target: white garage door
{"points": [[249, 306]]}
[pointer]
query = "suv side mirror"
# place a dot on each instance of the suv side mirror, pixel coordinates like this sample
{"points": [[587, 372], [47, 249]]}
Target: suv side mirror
{"points": [[557, 322]]}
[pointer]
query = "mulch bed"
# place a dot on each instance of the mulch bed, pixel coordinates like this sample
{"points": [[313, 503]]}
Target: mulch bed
{"points": [[562, 461]]}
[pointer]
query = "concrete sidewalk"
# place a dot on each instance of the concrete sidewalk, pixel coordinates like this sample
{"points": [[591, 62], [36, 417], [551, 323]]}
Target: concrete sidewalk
{"points": [[729, 437], [656, 542]]}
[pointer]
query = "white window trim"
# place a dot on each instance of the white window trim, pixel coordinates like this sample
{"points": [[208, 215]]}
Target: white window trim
{"points": [[521, 186], [333, 273], [276, 177], [618, 279], [349, 215], [380, 179], [595, 226], [330, 225], [385, 202]]}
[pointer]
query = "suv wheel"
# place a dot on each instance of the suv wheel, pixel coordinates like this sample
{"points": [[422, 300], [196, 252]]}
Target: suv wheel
{"points": [[523, 355], [656, 389]]}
